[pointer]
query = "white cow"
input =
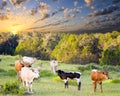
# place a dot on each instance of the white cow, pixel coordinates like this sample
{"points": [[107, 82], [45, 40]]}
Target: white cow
{"points": [[28, 75], [29, 60], [53, 65]]}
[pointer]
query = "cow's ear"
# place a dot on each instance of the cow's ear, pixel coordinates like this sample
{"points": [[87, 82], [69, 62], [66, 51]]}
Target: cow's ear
{"points": [[103, 72], [32, 70]]}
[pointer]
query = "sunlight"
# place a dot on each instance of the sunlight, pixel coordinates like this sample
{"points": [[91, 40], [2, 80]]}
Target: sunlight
{"points": [[14, 31]]}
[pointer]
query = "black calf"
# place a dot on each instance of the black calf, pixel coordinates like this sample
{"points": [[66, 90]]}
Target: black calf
{"points": [[69, 75]]}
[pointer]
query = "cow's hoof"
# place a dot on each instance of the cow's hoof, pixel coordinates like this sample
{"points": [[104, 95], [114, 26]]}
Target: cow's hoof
{"points": [[29, 92]]}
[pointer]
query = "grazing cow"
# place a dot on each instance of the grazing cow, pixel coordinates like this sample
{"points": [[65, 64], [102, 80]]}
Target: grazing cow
{"points": [[53, 65], [18, 66], [28, 75], [65, 76], [98, 77], [29, 60]]}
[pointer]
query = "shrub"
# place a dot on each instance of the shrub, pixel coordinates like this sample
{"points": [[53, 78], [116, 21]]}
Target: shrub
{"points": [[89, 67], [12, 88], [2, 70], [115, 81], [111, 56]]}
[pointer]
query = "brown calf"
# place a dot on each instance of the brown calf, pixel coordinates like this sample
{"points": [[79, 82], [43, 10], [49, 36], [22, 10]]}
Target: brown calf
{"points": [[18, 66], [97, 77]]}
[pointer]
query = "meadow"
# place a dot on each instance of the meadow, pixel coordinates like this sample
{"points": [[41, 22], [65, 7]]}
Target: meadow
{"points": [[49, 84]]}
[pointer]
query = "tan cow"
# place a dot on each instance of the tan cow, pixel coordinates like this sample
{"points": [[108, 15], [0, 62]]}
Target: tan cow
{"points": [[18, 66], [98, 77]]}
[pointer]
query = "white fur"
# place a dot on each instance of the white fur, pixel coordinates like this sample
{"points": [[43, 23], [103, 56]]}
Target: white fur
{"points": [[27, 76], [53, 65], [29, 60], [95, 70]]}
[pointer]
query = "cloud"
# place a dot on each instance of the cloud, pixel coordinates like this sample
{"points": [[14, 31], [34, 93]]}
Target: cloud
{"points": [[54, 0], [59, 10], [75, 3], [116, 1], [102, 23], [88, 2], [17, 3], [3, 16], [33, 11], [43, 9], [71, 16], [8, 9], [50, 24], [3, 4], [105, 11]]}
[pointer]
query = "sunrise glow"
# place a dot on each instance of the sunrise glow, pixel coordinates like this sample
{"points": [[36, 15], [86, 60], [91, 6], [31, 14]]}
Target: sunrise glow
{"points": [[59, 15]]}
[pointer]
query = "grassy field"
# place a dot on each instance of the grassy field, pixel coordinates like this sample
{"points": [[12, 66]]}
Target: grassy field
{"points": [[50, 85]]}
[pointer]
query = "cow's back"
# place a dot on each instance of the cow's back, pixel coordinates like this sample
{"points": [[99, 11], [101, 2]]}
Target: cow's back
{"points": [[96, 75]]}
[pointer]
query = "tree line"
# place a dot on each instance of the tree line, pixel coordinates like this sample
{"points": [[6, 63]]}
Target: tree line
{"points": [[69, 48]]}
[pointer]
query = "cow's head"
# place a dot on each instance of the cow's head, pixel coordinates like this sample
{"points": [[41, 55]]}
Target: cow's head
{"points": [[59, 72], [106, 74], [36, 73]]}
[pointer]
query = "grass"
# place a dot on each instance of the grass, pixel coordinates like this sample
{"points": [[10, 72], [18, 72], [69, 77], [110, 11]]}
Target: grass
{"points": [[49, 84]]}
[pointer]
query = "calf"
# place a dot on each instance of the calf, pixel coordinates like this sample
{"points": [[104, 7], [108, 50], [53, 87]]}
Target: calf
{"points": [[28, 75], [98, 77], [18, 66], [65, 76], [53, 65]]}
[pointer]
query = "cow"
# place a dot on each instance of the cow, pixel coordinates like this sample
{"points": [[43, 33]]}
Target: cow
{"points": [[97, 77], [65, 76], [53, 65], [29, 60], [18, 66], [28, 75]]}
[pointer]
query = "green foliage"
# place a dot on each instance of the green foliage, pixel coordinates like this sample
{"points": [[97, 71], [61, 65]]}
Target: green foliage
{"points": [[11, 72], [68, 48], [92, 66], [46, 73], [8, 43], [12, 88], [111, 56], [116, 80], [89, 67], [77, 49], [2, 70], [36, 44]]}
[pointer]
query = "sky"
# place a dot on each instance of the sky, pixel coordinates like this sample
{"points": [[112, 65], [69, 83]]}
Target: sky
{"points": [[75, 16]]}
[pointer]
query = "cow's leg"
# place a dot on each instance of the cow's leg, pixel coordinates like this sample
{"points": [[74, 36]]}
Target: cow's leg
{"points": [[54, 69], [30, 87], [79, 83], [18, 75], [24, 83], [66, 83], [101, 87], [95, 86]]}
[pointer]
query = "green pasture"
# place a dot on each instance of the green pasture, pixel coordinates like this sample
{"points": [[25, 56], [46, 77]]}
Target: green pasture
{"points": [[49, 84]]}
